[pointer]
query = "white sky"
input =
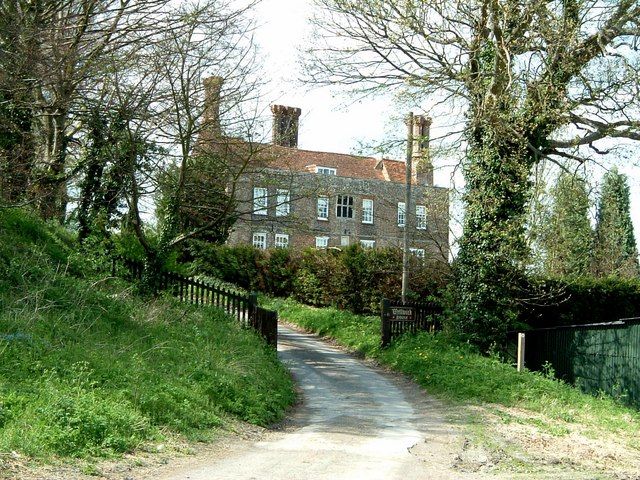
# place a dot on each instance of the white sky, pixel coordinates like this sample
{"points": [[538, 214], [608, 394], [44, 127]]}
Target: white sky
{"points": [[332, 122]]}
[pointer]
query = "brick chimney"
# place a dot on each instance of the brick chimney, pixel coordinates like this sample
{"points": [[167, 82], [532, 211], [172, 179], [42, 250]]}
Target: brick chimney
{"points": [[211, 114], [285, 125], [422, 168]]}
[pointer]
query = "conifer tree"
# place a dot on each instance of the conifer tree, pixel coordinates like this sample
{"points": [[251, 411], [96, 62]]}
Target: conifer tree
{"points": [[567, 234], [615, 252]]}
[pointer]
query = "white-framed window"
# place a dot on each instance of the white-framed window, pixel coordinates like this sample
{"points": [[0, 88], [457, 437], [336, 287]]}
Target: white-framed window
{"points": [[421, 217], [418, 252], [323, 208], [326, 171], [367, 210], [368, 243], [322, 242], [260, 240], [402, 214], [260, 201], [283, 207], [282, 240], [344, 206]]}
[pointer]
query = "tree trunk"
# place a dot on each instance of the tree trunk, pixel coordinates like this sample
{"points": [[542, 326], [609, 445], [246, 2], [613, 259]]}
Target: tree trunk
{"points": [[493, 248]]}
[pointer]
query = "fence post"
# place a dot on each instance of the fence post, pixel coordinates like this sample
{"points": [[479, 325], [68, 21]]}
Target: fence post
{"points": [[520, 352], [253, 306], [386, 333]]}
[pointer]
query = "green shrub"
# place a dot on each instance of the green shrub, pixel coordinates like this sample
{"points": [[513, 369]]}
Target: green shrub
{"points": [[277, 269], [354, 278], [560, 302], [239, 265]]}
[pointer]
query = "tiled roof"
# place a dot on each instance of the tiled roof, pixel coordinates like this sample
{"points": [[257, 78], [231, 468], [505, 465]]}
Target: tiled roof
{"points": [[297, 160], [353, 166]]}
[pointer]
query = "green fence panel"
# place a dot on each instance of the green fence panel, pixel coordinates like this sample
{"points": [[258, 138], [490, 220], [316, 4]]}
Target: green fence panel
{"points": [[598, 357]]}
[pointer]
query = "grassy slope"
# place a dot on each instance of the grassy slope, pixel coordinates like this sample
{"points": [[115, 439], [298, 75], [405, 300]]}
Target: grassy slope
{"points": [[88, 368], [455, 372]]}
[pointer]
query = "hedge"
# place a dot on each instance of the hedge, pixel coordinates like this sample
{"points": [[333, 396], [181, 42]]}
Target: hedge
{"points": [[354, 278], [554, 302]]}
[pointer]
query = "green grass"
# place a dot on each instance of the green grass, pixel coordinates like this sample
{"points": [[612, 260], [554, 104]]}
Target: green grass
{"points": [[457, 373], [88, 368]]}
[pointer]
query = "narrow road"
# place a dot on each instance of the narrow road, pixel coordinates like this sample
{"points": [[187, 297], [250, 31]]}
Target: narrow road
{"points": [[355, 423]]}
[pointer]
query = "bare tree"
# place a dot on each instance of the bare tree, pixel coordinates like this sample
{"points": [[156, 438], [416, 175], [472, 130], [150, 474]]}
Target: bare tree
{"points": [[61, 47], [553, 79]]}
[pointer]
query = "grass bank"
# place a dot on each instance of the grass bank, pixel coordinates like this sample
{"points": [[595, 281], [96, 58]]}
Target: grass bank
{"points": [[457, 373], [88, 368]]}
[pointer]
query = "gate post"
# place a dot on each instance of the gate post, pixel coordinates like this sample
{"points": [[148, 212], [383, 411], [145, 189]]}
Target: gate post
{"points": [[384, 317]]}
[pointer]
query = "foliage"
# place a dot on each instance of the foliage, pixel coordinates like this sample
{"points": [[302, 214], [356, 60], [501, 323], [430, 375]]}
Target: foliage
{"points": [[238, 265], [354, 278], [615, 252], [456, 371], [88, 369], [567, 235], [490, 263], [586, 300], [202, 204], [529, 77]]}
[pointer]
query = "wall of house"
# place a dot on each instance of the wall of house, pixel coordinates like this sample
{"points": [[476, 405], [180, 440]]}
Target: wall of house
{"points": [[303, 226]]}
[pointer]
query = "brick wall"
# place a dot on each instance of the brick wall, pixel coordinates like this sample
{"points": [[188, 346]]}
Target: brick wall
{"points": [[303, 226]]}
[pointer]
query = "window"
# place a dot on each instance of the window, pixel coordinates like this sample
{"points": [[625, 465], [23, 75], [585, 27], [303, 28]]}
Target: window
{"points": [[282, 240], [421, 217], [418, 252], [322, 242], [326, 171], [260, 240], [368, 243], [402, 216], [282, 203], [344, 206], [323, 208], [367, 211], [260, 201]]}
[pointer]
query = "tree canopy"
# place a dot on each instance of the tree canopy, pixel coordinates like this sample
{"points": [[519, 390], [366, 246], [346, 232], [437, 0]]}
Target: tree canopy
{"points": [[529, 80]]}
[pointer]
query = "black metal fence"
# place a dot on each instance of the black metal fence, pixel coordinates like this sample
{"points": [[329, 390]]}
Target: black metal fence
{"points": [[596, 357], [401, 318], [242, 306]]}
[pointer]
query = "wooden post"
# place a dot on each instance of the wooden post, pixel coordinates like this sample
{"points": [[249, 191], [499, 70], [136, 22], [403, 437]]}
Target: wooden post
{"points": [[253, 306], [386, 334], [521, 352]]}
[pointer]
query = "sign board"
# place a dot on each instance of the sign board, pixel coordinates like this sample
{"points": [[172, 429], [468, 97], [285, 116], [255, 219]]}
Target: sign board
{"points": [[400, 314]]}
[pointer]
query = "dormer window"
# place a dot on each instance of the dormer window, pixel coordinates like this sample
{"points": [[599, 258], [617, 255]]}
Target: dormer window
{"points": [[326, 171]]}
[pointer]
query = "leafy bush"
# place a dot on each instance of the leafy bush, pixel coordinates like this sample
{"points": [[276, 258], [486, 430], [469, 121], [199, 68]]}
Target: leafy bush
{"points": [[588, 300], [354, 278], [238, 265]]}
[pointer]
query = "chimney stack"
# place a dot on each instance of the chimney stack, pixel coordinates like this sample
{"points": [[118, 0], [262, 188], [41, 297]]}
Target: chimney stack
{"points": [[422, 168], [211, 114], [285, 125]]}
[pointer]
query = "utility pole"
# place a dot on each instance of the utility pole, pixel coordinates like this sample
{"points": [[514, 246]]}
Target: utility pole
{"points": [[407, 209]]}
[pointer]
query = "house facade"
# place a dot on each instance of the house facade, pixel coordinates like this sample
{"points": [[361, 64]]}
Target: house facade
{"points": [[302, 198]]}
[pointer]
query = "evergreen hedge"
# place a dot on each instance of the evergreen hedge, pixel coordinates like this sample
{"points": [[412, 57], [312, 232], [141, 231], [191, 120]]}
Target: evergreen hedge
{"points": [[555, 302], [354, 278]]}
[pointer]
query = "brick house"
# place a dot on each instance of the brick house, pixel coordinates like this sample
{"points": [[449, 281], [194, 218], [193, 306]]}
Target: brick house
{"points": [[302, 198]]}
